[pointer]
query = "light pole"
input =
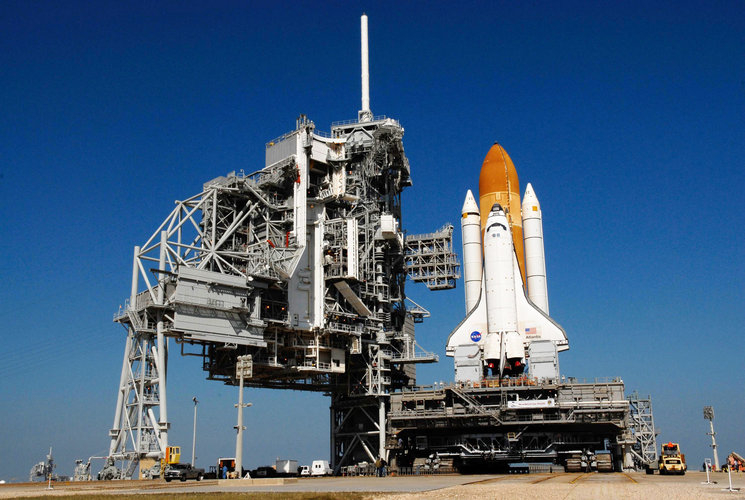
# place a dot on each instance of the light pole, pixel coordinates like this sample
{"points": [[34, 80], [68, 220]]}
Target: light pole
{"points": [[243, 369], [709, 415], [194, 436]]}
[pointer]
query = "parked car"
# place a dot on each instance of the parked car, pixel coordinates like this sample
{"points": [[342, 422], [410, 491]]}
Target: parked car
{"points": [[264, 471], [182, 472]]}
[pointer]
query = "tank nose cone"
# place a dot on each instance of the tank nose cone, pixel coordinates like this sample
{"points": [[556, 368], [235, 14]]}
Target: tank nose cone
{"points": [[497, 171]]}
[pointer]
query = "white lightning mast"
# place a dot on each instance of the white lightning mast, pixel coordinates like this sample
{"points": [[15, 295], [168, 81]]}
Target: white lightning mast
{"points": [[365, 115]]}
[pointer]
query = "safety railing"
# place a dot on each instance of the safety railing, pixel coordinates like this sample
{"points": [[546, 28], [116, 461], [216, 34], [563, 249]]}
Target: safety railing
{"points": [[378, 118]]}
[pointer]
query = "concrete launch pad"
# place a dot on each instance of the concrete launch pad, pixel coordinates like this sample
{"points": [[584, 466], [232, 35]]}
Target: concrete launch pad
{"points": [[549, 486]]}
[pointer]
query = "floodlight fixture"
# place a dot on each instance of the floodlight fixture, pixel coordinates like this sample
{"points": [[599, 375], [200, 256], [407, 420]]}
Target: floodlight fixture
{"points": [[709, 412]]}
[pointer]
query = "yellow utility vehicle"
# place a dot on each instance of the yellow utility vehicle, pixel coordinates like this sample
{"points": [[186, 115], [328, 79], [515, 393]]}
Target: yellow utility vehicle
{"points": [[672, 461]]}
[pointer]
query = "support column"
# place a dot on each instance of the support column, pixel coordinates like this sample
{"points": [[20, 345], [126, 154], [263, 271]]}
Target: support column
{"points": [[115, 433], [136, 434], [628, 457], [162, 346], [244, 369], [381, 424], [332, 435]]}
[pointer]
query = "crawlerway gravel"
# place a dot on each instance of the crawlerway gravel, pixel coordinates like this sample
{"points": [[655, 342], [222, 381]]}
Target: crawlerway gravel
{"points": [[593, 486], [586, 486]]}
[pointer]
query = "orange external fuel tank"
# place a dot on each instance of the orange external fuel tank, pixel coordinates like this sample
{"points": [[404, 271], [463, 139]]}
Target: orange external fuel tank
{"points": [[498, 183]]}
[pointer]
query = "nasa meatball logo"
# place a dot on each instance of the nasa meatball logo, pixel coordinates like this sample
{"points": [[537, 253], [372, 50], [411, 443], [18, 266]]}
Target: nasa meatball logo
{"points": [[476, 336]]}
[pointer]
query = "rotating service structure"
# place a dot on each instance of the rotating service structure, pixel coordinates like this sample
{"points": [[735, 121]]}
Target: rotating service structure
{"points": [[300, 264]]}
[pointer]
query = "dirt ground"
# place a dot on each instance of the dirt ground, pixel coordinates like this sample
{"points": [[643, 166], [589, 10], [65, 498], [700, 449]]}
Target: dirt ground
{"points": [[593, 486]]}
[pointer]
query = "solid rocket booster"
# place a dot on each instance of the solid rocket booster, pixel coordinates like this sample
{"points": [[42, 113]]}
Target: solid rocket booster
{"points": [[502, 340], [535, 258], [470, 225], [498, 183]]}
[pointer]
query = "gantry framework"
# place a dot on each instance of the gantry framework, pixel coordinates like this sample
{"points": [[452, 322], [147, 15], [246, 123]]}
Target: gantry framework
{"points": [[300, 264], [644, 451], [430, 258]]}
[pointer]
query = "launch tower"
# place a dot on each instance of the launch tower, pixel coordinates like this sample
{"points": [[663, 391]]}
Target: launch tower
{"points": [[301, 264]]}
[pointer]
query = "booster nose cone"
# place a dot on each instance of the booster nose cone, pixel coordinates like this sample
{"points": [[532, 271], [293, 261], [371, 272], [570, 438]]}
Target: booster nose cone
{"points": [[469, 205], [530, 197], [498, 183]]}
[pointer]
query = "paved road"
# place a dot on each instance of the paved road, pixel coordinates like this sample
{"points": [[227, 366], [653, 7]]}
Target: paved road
{"points": [[592, 486], [372, 484], [550, 486], [400, 484]]}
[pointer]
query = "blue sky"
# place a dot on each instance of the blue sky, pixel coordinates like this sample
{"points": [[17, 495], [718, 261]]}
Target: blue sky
{"points": [[626, 117]]}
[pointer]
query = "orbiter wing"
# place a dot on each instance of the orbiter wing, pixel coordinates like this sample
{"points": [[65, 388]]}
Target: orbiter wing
{"points": [[532, 323], [473, 328]]}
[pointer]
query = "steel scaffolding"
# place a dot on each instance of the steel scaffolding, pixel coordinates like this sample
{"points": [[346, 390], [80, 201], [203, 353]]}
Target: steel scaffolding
{"points": [[300, 264], [430, 259], [642, 427]]}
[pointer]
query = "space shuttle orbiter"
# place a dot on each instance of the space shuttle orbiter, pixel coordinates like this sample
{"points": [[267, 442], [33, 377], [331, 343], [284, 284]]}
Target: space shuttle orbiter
{"points": [[503, 318]]}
